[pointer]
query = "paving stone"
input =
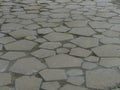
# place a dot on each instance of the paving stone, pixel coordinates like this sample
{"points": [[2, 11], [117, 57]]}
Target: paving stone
{"points": [[114, 21], [2, 35], [27, 16], [50, 85], [101, 25], [27, 66], [69, 45], [40, 40], [44, 30], [107, 51], [1, 47], [80, 52], [110, 62], [88, 65], [24, 45], [32, 27], [62, 50], [76, 80], [106, 14], [21, 33], [59, 15], [107, 40], [50, 45], [63, 61], [13, 55], [61, 29], [5, 40], [85, 42], [28, 83], [116, 27], [76, 24], [43, 53], [3, 65], [74, 72], [111, 34], [92, 59], [58, 36], [5, 88], [102, 78], [53, 74], [48, 25], [5, 79], [82, 31], [72, 87]]}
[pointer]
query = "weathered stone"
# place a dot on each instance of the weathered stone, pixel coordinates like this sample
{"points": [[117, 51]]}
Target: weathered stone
{"points": [[116, 27], [63, 60], [50, 85], [85, 42], [5, 40], [74, 72], [44, 30], [110, 33], [43, 53], [80, 52], [76, 24], [58, 36], [50, 45], [62, 50], [88, 65], [28, 83], [82, 31], [61, 29], [110, 62], [69, 45], [27, 66], [13, 55], [92, 59], [23, 45], [3, 65], [59, 15], [102, 78], [107, 51], [53, 74], [5, 88], [5, 79]]}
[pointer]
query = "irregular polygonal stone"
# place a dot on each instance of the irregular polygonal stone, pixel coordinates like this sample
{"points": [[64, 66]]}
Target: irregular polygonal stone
{"points": [[63, 60], [3, 65], [24, 45], [86, 42], [32, 27], [92, 59], [5, 40], [110, 62], [43, 53], [27, 66], [76, 24], [106, 14], [102, 78], [59, 15], [5, 88], [28, 83], [88, 65], [62, 50], [82, 31], [107, 51], [40, 40], [13, 55], [50, 85], [80, 52], [44, 30], [48, 25], [102, 25], [53, 74], [116, 27], [58, 36], [74, 72], [50, 45], [72, 87], [21, 33], [111, 33], [69, 45], [76, 80], [61, 29], [1, 47], [5, 79]]}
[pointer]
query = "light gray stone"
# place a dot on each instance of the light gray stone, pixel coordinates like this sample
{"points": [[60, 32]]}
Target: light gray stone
{"points": [[59, 15], [5, 88], [62, 50], [63, 61], [74, 72], [28, 83], [102, 78], [116, 27], [23, 45], [5, 79], [110, 62], [88, 65], [82, 31], [80, 52], [43, 53], [13, 55], [50, 85], [76, 80], [61, 29], [107, 51], [1, 47], [5, 40], [85, 42], [69, 45], [44, 30], [53, 74], [3, 65], [27, 66], [92, 59], [50, 45], [32, 27], [76, 24], [110, 33], [58, 36]]}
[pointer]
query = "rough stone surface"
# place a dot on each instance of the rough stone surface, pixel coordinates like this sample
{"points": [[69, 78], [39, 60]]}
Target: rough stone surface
{"points": [[3, 65]]}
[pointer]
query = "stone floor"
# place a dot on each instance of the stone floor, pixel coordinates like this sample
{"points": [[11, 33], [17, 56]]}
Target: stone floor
{"points": [[59, 45]]}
